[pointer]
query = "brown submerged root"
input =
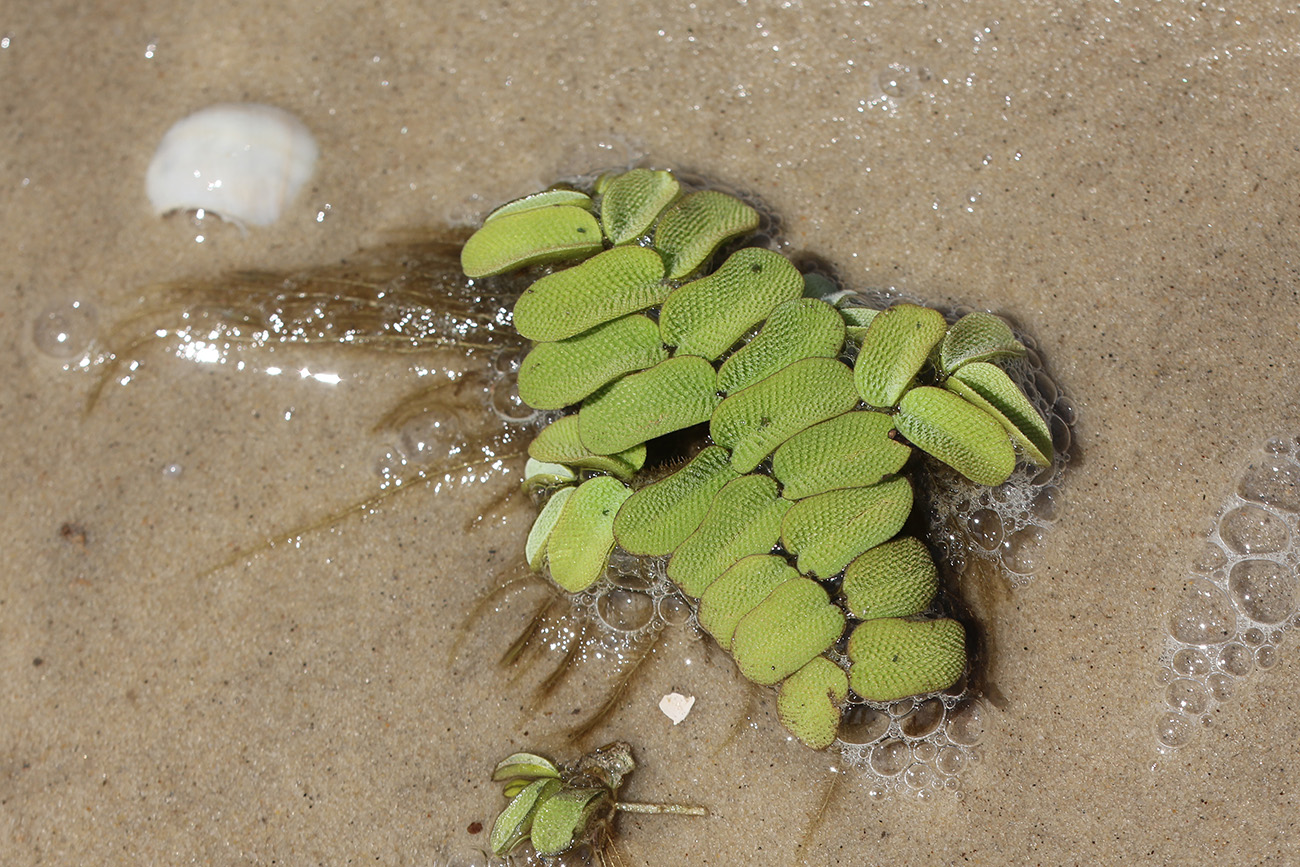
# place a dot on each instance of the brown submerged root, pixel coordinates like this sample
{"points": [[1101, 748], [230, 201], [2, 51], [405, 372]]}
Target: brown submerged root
{"points": [[401, 297]]}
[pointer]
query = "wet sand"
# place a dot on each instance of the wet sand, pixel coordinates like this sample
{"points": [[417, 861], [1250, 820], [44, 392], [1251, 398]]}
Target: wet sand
{"points": [[1120, 180]]}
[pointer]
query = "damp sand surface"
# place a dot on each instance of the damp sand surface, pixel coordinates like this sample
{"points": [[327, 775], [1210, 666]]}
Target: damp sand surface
{"points": [[1120, 179]]}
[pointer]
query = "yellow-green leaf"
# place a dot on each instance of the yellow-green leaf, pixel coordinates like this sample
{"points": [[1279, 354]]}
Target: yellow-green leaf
{"points": [[527, 765], [744, 518], [896, 579], [989, 388], [830, 529], [562, 818], [631, 201], [544, 199], [605, 287], [707, 316], [852, 450], [659, 517], [802, 328], [809, 702], [796, 622], [557, 374], [516, 820], [755, 420], [583, 535], [530, 237], [698, 224], [560, 443], [672, 395], [978, 337], [535, 546], [738, 591], [894, 658], [958, 433], [894, 349]]}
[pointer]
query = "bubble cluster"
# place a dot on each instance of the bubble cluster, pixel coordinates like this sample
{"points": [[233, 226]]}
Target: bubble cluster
{"points": [[1239, 599]]}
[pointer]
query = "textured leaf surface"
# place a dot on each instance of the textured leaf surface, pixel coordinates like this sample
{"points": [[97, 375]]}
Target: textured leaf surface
{"points": [[631, 201], [672, 395], [657, 519], [707, 316], [894, 658], [809, 702], [978, 337], [958, 433], [802, 328], [607, 286], [557, 374], [544, 199], [738, 591], [856, 322], [744, 518], [528, 765], [894, 349], [698, 224], [796, 622], [559, 443], [535, 546], [849, 451], [830, 529], [564, 817], [583, 535], [516, 820], [896, 579], [989, 388], [755, 420], [530, 237]]}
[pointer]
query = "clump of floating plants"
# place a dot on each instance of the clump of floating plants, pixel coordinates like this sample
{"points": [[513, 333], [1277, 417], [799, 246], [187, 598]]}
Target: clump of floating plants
{"points": [[559, 809], [792, 414]]}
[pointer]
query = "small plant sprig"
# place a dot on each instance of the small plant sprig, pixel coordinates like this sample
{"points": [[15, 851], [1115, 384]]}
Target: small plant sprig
{"points": [[784, 528], [557, 808]]}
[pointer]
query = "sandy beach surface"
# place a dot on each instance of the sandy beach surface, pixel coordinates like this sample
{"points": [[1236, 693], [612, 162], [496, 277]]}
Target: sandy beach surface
{"points": [[1121, 178]]}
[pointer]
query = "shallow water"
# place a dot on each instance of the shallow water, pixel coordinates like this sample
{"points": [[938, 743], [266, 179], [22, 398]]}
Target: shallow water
{"points": [[1120, 180]]}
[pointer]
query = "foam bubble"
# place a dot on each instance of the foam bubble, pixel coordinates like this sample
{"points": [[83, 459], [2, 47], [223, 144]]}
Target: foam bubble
{"points": [[1274, 483], [1252, 530], [1264, 590], [1203, 616], [64, 330], [1174, 729]]}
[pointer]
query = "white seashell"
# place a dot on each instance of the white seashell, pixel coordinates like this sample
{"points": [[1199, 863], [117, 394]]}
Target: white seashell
{"points": [[676, 706], [243, 162]]}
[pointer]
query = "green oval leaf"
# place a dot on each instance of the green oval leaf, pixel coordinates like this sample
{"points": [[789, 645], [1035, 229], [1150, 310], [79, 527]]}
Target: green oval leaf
{"points": [[852, 450], [535, 546], [707, 316], [631, 201], [605, 287], [978, 337], [560, 443], [557, 374], [672, 395], [583, 535], [743, 519], [802, 328], [894, 349], [896, 579], [563, 818], [516, 820], [894, 658], [755, 420], [989, 388], [958, 433], [738, 591], [830, 529], [525, 765], [530, 237], [795, 623], [544, 199], [657, 519], [809, 702], [698, 224]]}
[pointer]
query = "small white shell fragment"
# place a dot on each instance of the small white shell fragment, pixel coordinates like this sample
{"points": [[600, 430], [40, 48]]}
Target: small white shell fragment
{"points": [[241, 161], [676, 706]]}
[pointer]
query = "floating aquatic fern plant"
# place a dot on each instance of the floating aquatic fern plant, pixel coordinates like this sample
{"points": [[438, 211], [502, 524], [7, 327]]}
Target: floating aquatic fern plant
{"points": [[784, 527]]}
